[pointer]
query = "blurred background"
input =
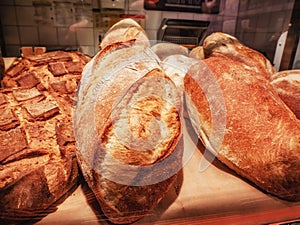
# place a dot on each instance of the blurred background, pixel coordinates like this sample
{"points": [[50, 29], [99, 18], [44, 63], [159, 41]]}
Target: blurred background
{"points": [[81, 24]]}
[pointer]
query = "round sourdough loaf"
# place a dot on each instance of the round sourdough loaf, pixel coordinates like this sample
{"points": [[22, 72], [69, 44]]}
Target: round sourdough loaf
{"points": [[38, 166]]}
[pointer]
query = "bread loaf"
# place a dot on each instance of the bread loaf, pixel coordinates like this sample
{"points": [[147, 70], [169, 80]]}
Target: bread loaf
{"points": [[37, 146], [197, 53], [287, 85], [221, 44], [2, 68], [128, 130], [242, 120], [165, 49], [124, 31]]}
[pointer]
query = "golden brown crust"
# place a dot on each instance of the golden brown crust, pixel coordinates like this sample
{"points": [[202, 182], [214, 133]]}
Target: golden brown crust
{"points": [[197, 53], [221, 44], [123, 204], [130, 157], [123, 31], [261, 135], [287, 85], [143, 108]]}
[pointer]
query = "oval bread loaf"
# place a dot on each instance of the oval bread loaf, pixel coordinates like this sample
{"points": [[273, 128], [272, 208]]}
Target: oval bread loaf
{"points": [[247, 126], [128, 130]]}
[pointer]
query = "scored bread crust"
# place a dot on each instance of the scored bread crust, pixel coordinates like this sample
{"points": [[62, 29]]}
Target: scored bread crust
{"points": [[128, 130], [261, 139], [37, 146], [123, 31], [287, 85], [138, 116]]}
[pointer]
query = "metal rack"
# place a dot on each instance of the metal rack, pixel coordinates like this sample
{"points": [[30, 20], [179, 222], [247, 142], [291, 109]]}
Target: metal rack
{"points": [[188, 33]]}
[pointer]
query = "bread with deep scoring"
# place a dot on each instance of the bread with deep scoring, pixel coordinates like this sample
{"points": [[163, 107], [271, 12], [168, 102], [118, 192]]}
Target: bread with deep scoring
{"points": [[38, 166], [128, 130]]}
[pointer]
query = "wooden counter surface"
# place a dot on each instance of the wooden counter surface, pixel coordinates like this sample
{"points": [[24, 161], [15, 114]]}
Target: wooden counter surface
{"points": [[213, 196]]}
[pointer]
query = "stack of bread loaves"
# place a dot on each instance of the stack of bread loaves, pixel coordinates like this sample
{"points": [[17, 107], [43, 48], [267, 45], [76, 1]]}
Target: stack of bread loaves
{"points": [[126, 122]]}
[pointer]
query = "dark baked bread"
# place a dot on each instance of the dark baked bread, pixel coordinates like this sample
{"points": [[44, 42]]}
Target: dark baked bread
{"points": [[242, 120], [38, 164], [287, 85], [128, 130]]}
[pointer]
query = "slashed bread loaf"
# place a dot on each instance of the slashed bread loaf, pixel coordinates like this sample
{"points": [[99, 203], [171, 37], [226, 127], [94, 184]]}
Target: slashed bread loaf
{"points": [[38, 164], [124, 31], [241, 119], [128, 130]]}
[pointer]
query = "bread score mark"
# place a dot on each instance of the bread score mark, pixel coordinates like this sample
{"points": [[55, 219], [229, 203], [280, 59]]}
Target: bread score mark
{"points": [[145, 126]]}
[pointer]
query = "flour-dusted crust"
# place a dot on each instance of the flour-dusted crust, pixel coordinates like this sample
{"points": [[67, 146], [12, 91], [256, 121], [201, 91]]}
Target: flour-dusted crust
{"points": [[37, 146], [123, 31], [176, 67], [128, 130], [287, 85], [260, 135], [165, 49]]}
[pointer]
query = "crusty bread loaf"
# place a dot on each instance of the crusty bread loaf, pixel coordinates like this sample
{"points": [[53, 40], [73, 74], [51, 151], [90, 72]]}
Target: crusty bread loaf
{"points": [[165, 49], [242, 120], [197, 53], [2, 68], [37, 146], [287, 85], [128, 130], [123, 31], [222, 44], [176, 67]]}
